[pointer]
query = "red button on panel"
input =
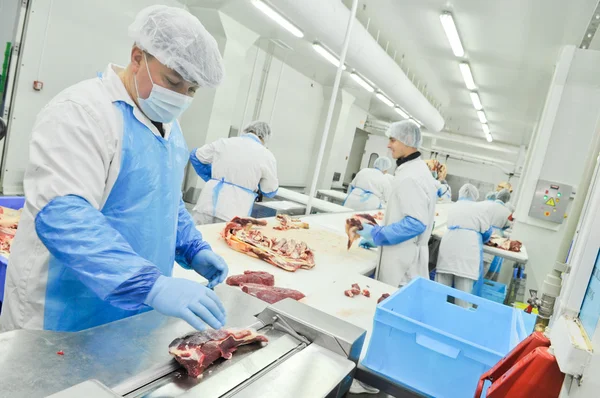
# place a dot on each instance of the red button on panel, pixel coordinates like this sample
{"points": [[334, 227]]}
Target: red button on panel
{"points": [[547, 213]]}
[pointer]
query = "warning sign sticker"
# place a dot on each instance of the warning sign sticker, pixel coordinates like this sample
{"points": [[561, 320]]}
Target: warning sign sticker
{"points": [[551, 202]]}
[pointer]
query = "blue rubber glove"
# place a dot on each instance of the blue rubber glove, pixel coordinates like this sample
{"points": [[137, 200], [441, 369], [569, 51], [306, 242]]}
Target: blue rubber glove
{"points": [[366, 232], [367, 244], [211, 266], [188, 300]]}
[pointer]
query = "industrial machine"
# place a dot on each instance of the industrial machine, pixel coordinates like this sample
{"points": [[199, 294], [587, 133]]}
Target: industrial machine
{"points": [[309, 354]]}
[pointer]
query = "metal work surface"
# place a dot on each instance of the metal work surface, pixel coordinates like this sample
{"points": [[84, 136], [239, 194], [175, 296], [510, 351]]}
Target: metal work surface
{"points": [[111, 353], [312, 373]]}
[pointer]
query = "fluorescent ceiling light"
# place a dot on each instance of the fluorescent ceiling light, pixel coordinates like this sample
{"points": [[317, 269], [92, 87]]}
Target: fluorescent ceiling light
{"points": [[489, 138], [384, 99], [362, 82], [401, 112], [417, 122], [476, 101], [481, 116], [465, 69], [277, 17], [452, 34], [325, 53], [486, 129]]}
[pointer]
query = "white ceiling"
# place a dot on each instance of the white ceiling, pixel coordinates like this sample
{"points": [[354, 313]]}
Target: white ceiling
{"points": [[512, 46]]}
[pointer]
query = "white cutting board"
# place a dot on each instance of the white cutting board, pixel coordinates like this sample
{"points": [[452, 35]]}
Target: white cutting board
{"points": [[331, 257], [357, 310]]}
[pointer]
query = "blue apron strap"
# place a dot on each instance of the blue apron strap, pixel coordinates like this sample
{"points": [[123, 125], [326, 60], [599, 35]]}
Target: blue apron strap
{"points": [[219, 187], [99, 75]]}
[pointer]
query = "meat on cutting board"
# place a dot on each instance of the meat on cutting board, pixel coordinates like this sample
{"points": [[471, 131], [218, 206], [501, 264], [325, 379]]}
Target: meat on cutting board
{"points": [[259, 277], [383, 297], [505, 244], [198, 350], [286, 222], [285, 254], [354, 224], [270, 294]]}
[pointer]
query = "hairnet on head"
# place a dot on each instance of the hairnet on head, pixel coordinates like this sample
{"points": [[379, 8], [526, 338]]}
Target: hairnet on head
{"points": [[180, 42], [407, 132], [490, 196], [260, 129], [383, 163], [469, 192], [503, 195]]}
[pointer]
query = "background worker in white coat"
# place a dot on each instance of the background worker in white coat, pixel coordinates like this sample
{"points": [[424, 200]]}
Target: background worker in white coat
{"points": [[234, 170], [370, 189], [460, 259], [410, 211], [104, 220]]}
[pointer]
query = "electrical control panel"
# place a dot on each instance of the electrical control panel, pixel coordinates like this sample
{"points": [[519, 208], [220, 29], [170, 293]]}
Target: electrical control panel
{"points": [[550, 201]]}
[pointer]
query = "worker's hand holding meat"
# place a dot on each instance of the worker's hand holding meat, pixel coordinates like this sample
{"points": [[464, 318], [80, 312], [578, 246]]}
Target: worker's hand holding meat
{"points": [[211, 266], [188, 300], [366, 231]]}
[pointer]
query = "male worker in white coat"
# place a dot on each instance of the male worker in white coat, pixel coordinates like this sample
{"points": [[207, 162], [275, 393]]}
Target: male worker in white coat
{"points": [[370, 189], [460, 260], [104, 220], [410, 211], [234, 170]]}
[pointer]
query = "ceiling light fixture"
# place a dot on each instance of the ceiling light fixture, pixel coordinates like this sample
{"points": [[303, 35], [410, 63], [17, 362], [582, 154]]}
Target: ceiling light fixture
{"points": [[481, 116], [328, 55], [465, 70], [278, 17], [401, 112], [476, 101], [417, 121], [362, 82], [384, 99], [452, 34], [486, 129], [489, 138]]}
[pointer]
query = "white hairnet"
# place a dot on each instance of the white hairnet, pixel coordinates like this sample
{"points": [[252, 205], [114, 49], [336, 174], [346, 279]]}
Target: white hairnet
{"points": [[490, 195], [179, 41], [503, 195], [260, 129], [383, 163], [469, 192], [407, 132]]}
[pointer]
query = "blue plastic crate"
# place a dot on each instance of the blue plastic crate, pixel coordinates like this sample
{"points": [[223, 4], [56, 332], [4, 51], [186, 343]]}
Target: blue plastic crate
{"points": [[13, 202], [423, 341], [494, 291]]}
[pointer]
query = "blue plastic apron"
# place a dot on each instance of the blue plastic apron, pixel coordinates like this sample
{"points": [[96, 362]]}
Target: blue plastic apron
{"points": [[478, 285], [217, 191], [143, 206], [364, 196]]}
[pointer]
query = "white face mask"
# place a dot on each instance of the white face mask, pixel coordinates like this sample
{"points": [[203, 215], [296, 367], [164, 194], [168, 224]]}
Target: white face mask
{"points": [[163, 105]]}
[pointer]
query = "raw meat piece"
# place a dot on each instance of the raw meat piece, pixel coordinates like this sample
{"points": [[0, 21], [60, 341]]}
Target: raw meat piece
{"points": [[355, 289], [288, 255], [379, 216], [6, 237], [349, 293], [505, 244], [366, 293], [354, 224], [383, 297], [262, 278], [196, 351], [286, 222], [270, 294]]}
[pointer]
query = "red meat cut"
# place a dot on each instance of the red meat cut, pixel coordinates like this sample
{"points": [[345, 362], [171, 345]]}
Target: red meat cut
{"points": [[354, 224], [270, 294], [383, 297], [198, 350], [259, 277]]}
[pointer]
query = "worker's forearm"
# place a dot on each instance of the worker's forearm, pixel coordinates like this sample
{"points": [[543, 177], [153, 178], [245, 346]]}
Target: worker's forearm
{"points": [[189, 239], [398, 232], [81, 238], [204, 170]]}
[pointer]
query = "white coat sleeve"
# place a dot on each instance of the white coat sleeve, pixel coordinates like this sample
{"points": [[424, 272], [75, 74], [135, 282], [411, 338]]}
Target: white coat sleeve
{"points": [[269, 183], [206, 153]]}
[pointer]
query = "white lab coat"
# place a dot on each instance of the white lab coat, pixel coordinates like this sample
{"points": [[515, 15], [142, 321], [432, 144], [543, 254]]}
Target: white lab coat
{"points": [[499, 213], [84, 119], [369, 190], [242, 161], [461, 249], [414, 194]]}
